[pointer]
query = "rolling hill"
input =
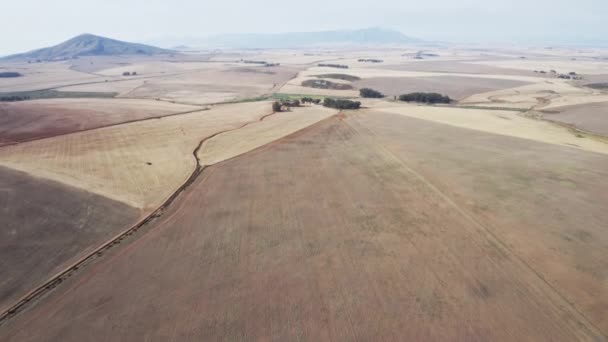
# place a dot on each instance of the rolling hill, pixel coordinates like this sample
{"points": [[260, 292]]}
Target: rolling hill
{"points": [[88, 45]]}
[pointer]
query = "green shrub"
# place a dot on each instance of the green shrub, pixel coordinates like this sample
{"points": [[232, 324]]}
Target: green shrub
{"points": [[370, 93]]}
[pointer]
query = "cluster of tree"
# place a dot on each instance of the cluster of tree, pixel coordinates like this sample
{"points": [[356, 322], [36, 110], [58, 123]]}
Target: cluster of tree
{"points": [[370, 60], [425, 98], [341, 104], [310, 100], [278, 106], [339, 66], [370, 93], [10, 74], [127, 73], [13, 98], [272, 64], [254, 62]]}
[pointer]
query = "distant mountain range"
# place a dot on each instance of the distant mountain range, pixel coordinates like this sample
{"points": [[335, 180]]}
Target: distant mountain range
{"points": [[369, 36], [88, 45], [92, 45]]}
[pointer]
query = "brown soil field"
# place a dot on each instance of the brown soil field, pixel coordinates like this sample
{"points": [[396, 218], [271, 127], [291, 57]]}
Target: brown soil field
{"points": [[592, 117], [453, 86], [29, 120], [363, 227], [44, 225], [550, 212]]}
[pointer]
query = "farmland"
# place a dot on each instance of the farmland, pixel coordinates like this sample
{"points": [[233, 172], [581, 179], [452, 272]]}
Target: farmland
{"points": [[186, 205], [29, 120], [310, 261]]}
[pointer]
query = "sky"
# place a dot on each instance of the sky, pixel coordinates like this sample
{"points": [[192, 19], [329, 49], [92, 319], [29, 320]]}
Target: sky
{"points": [[31, 24]]}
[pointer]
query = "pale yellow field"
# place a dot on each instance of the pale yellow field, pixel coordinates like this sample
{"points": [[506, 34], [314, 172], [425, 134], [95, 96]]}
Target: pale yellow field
{"points": [[507, 123], [526, 96], [234, 143], [113, 161], [559, 65], [149, 68], [43, 76], [571, 100], [120, 87]]}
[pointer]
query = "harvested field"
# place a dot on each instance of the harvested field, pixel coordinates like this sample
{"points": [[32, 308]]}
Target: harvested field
{"points": [[455, 87], [139, 163], [44, 76], [28, 120], [501, 122], [272, 128], [44, 225], [528, 96], [592, 117], [457, 67], [561, 65], [546, 202], [575, 99], [213, 86], [369, 246]]}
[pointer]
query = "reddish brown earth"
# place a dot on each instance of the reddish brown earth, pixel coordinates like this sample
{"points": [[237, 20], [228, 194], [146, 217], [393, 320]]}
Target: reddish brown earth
{"points": [[453, 86], [44, 225], [591, 117], [29, 120], [372, 227]]}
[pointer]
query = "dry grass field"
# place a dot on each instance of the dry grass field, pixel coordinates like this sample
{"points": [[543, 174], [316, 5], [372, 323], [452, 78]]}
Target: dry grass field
{"points": [[500, 122], [139, 163], [29, 120], [372, 227], [213, 83], [44, 76]]}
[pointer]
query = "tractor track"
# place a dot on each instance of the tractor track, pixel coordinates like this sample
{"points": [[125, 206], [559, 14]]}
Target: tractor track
{"points": [[43, 289]]}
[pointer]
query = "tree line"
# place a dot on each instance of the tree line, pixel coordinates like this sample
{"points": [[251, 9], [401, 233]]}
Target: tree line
{"points": [[341, 103], [14, 98], [425, 98], [370, 60], [339, 66], [7, 74]]}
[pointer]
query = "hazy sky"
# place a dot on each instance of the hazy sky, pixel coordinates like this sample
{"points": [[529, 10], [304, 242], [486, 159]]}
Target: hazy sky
{"points": [[29, 24]]}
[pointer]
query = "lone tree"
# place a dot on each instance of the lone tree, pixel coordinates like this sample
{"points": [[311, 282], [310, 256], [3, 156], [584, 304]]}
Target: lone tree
{"points": [[276, 106], [370, 93]]}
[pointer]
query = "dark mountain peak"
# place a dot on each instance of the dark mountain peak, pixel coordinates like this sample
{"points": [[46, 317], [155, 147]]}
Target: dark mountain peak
{"points": [[87, 44]]}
